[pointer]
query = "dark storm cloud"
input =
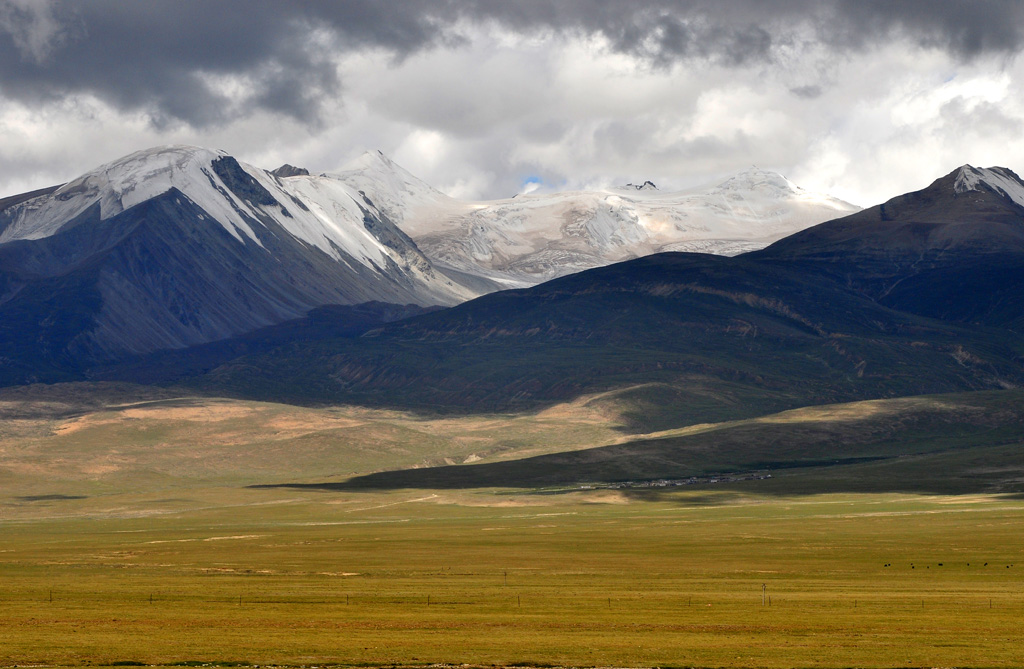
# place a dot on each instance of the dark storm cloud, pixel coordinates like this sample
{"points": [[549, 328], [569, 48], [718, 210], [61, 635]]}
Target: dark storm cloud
{"points": [[736, 31], [661, 32], [159, 55], [165, 57], [964, 29]]}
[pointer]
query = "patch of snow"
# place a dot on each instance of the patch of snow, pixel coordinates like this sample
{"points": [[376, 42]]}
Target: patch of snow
{"points": [[997, 178], [332, 219], [535, 237]]}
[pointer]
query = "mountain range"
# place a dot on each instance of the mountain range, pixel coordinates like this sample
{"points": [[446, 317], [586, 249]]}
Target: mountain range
{"points": [[176, 247], [185, 268], [182, 265], [918, 295]]}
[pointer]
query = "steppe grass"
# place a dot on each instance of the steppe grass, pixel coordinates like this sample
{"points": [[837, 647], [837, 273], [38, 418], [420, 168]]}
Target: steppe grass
{"points": [[53, 445], [129, 534], [499, 577]]}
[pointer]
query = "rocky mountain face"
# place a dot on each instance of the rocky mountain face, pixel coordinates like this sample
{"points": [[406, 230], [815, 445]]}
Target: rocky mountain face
{"points": [[178, 246]]}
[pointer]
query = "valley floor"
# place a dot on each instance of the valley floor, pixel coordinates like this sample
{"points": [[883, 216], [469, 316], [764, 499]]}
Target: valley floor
{"points": [[710, 578], [136, 559]]}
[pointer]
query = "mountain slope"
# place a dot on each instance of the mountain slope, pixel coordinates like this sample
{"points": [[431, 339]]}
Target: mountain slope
{"points": [[953, 250], [332, 321], [177, 246], [532, 238], [968, 211], [718, 337]]}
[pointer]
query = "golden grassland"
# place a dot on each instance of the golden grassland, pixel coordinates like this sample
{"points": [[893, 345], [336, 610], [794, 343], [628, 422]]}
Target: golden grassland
{"points": [[500, 577], [51, 448], [167, 556]]}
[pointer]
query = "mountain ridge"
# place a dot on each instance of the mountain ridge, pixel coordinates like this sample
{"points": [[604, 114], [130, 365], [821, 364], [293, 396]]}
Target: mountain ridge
{"points": [[800, 321]]}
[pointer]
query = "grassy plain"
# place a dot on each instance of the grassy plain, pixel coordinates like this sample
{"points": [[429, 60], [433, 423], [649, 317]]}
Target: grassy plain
{"points": [[53, 443], [500, 577], [129, 533]]}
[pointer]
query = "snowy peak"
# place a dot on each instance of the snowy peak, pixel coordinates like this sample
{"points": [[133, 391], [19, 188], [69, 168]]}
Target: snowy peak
{"points": [[185, 245], [767, 187], [249, 203], [371, 161], [128, 181], [393, 190], [377, 167], [758, 180], [996, 179], [242, 199]]}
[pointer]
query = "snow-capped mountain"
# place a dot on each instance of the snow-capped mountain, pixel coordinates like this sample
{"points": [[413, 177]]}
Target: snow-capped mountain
{"points": [[970, 210], [532, 238], [403, 198], [953, 250], [178, 245], [322, 212]]}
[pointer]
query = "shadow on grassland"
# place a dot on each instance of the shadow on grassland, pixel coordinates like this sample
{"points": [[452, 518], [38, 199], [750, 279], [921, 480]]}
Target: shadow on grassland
{"points": [[997, 469], [944, 444]]}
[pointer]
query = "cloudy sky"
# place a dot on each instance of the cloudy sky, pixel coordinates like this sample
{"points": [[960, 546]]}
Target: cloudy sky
{"points": [[863, 99]]}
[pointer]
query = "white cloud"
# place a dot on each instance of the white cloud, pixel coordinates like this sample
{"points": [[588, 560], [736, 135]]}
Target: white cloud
{"points": [[920, 124], [476, 120]]}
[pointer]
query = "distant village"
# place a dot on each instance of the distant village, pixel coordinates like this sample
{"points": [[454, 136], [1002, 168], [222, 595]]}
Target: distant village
{"points": [[669, 483]]}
